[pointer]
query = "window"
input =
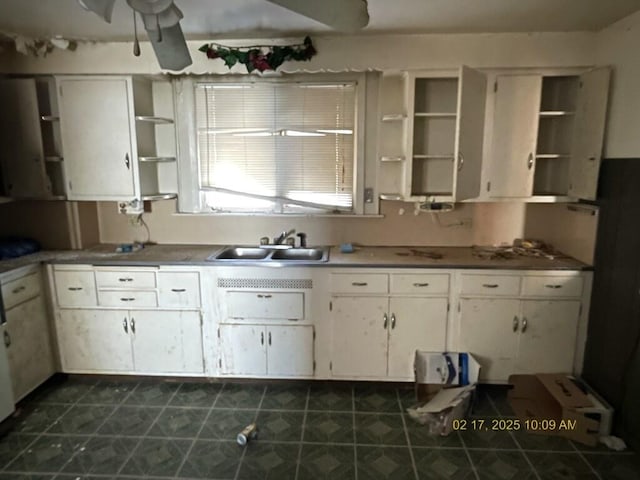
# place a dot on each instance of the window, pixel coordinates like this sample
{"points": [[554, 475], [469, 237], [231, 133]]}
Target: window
{"points": [[276, 146]]}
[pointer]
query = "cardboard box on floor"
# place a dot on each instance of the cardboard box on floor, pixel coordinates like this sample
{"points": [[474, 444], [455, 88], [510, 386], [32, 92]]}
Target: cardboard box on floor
{"points": [[445, 381], [539, 399]]}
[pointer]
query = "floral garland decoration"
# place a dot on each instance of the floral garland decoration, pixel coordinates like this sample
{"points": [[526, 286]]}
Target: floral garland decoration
{"points": [[260, 57]]}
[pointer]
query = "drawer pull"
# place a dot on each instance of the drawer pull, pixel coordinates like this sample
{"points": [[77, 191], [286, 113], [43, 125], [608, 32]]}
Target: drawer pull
{"points": [[359, 284], [261, 338], [515, 323], [124, 325], [127, 299], [385, 321], [19, 289], [74, 289], [178, 290], [7, 339], [553, 286], [260, 295], [269, 338], [133, 325], [125, 279], [417, 284], [524, 324], [393, 321], [490, 285]]}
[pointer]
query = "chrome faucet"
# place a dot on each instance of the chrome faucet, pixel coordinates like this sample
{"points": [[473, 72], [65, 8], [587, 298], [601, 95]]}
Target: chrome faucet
{"points": [[280, 239]]}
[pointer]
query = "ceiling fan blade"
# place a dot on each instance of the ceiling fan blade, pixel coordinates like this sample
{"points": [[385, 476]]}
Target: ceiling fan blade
{"points": [[344, 15], [171, 50], [102, 8]]}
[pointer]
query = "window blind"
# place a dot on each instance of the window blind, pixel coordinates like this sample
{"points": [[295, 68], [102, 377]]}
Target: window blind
{"points": [[285, 145]]}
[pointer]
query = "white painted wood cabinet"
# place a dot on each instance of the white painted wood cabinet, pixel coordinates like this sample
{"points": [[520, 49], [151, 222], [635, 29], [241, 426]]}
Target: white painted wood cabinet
{"points": [[547, 135], [431, 135], [376, 337]]}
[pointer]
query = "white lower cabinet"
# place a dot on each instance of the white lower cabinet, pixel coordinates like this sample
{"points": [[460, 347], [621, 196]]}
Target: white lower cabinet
{"points": [[274, 350], [145, 342], [376, 337], [259, 350]]}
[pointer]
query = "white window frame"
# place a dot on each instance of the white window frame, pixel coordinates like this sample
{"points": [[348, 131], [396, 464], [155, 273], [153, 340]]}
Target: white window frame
{"points": [[191, 198]]}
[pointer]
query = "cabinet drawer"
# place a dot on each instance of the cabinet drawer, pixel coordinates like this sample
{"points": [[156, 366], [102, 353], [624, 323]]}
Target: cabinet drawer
{"points": [[280, 305], [490, 285], [359, 283], [179, 289], [552, 286], [427, 283], [75, 288], [17, 291], [125, 279], [127, 298]]}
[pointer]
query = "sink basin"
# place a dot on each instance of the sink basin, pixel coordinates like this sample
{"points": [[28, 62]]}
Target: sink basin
{"points": [[308, 254], [242, 253], [271, 255]]}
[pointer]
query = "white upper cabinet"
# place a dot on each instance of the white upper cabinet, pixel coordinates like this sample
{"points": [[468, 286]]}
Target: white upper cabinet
{"points": [[547, 135], [30, 150], [431, 135], [98, 132]]}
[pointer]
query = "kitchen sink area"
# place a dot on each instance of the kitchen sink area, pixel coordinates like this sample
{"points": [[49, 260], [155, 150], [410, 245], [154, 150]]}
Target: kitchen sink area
{"points": [[270, 254]]}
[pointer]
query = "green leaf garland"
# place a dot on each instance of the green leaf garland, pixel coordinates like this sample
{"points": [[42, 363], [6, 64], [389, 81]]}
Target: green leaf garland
{"points": [[260, 57]]}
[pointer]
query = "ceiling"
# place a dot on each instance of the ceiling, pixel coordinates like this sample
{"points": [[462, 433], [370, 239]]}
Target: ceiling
{"points": [[246, 18]]}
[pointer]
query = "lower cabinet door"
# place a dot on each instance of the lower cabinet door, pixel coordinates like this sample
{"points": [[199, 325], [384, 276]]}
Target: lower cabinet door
{"points": [[414, 324], [548, 334], [489, 329], [94, 341], [30, 355], [166, 342], [243, 350], [290, 351], [359, 336]]}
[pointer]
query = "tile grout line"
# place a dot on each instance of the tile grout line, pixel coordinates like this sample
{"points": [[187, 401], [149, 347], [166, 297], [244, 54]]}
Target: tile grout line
{"points": [[586, 461], [197, 436], [406, 436], [304, 423], [255, 420], [144, 436], [40, 434], [355, 437]]}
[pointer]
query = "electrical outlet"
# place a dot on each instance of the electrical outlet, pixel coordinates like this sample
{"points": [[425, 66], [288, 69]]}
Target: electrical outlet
{"points": [[134, 207]]}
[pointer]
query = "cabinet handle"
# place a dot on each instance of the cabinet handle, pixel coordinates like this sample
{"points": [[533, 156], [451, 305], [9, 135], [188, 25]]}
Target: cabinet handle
{"points": [[261, 338], [460, 161], [385, 321], [260, 295], [530, 161], [524, 324], [515, 323], [124, 325], [74, 289], [133, 325], [420, 284], [178, 290], [127, 299], [269, 338], [19, 289], [490, 285], [359, 284], [7, 339], [125, 279], [393, 321], [553, 286], [127, 162]]}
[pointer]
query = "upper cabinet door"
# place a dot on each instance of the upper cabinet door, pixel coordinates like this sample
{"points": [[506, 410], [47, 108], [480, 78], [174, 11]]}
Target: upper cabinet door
{"points": [[588, 133], [515, 130], [472, 95], [98, 134], [21, 151]]}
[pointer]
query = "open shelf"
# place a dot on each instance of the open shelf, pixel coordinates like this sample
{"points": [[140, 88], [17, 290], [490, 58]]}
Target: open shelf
{"points": [[437, 157], [556, 113], [393, 117], [435, 114], [150, 197], [152, 119], [552, 155], [399, 158], [156, 159]]}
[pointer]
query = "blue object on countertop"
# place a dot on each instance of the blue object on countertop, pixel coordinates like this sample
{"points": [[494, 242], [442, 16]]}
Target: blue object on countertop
{"points": [[14, 247], [346, 248]]}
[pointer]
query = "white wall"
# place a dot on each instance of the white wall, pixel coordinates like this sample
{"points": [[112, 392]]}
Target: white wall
{"points": [[617, 45]]}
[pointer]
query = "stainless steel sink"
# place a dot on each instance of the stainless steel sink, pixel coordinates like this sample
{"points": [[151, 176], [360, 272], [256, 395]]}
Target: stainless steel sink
{"points": [[300, 254], [242, 253], [272, 256]]}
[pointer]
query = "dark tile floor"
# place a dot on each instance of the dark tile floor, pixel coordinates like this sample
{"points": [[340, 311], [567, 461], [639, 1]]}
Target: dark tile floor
{"points": [[80, 428]]}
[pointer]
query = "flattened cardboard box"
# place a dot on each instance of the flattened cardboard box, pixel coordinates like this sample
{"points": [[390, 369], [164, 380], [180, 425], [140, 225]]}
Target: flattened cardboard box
{"points": [[546, 397]]}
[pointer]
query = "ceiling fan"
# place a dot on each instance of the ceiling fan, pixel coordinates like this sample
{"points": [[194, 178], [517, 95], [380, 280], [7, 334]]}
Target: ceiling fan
{"points": [[161, 19]]}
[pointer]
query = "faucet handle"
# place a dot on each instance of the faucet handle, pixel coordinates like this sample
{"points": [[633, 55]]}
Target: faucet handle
{"points": [[303, 239], [264, 240]]}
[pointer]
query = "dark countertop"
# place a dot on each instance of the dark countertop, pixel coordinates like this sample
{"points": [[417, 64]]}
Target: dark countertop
{"points": [[362, 257]]}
